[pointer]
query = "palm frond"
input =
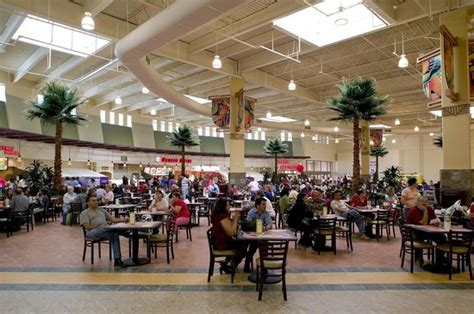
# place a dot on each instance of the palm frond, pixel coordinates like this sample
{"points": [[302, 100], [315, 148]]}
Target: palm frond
{"points": [[275, 147], [380, 151], [183, 136]]}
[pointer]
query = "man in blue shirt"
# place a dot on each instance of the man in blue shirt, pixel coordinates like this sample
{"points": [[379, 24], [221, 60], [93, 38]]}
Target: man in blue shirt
{"points": [[258, 212]]}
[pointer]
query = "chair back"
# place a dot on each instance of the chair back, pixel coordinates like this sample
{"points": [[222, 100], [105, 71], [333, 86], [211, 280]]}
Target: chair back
{"points": [[84, 232], [326, 224], [210, 240], [407, 234], [460, 239], [76, 208], [170, 228], [274, 252], [382, 215]]}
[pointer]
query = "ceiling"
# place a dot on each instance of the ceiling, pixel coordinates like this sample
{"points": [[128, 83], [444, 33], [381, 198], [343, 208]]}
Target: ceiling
{"points": [[235, 38]]}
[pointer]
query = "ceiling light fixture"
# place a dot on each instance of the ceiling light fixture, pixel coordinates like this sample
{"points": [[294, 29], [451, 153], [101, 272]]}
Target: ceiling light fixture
{"points": [[145, 90], [431, 134], [125, 165], [416, 129], [69, 162], [18, 159], [140, 165], [217, 63], [341, 22], [336, 129], [302, 134], [87, 22], [88, 162], [397, 122], [306, 122], [336, 141], [384, 138], [269, 114], [118, 100], [291, 85], [153, 112], [403, 62], [394, 141]]}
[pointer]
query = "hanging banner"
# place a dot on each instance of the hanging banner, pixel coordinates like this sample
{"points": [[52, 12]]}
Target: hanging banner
{"points": [[447, 54], [431, 76], [249, 112], [376, 136], [240, 110], [221, 111]]}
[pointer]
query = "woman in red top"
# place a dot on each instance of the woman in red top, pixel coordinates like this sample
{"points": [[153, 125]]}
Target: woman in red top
{"points": [[180, 209], [359, 199], [223, 229]]}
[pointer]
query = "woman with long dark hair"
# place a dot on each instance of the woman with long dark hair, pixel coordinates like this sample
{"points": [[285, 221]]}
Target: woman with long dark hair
{"points": [[295, 220]]}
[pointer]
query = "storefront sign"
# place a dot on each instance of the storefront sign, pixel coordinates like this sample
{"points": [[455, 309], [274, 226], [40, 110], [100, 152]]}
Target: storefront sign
{"points": [[287, 164], [172, 160], [9, 150]]}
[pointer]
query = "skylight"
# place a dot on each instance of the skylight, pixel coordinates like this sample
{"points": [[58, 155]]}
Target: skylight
{"points": [[59, 37], [278, 119], [331, 21]]}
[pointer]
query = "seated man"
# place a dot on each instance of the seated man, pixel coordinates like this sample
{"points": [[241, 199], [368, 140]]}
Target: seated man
{"points": [[94, 219], [19, 206], [109, 195], [341, 209], [316, 202], [68, 198], [258, 212], [268, 206], [423, 214]]}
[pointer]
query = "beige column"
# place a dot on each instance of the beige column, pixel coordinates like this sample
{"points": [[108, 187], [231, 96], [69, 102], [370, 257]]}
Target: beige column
{"points": [[456, 175], [456, 118], [237, 136], [365, 152]]}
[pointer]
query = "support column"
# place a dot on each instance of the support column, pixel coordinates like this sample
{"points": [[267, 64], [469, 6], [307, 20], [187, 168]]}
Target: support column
{"points": [[365, 152], [456, 117], [237, 135]]}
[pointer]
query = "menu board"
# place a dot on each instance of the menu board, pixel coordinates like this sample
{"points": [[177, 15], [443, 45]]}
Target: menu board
{"points": [[3, 163]]}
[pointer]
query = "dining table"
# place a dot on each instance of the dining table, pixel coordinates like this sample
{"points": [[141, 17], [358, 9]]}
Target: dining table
{"points": [[194, 211], [135, 260], [437, 230], [157, 216]]}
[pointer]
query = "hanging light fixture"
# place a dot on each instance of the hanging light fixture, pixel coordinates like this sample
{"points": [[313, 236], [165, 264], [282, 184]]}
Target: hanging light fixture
{"points": [[125, 164], [216, 62], [145, 90], [18, 158], [69, 161], [118, 100], [291, 85], [403, 62], [306, 122], [397, 122], [431, 134], [153, 112], [384, 138], [416, 129], [88, 162], [394, 141], [269, 114], [336, 141], [302, 134], [87, 22], [336, 129], [140, 165]]}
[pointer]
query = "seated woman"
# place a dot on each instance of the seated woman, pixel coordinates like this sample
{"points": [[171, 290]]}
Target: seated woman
{"points": [[180, 209], [234, 192], [340, 208], [359, 200], [223, 229], [390, 198], [159, 203], [295, 220]]}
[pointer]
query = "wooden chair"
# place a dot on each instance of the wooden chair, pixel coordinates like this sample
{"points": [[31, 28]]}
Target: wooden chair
{"points": [[409, 245], [344, 230], [25, 217], [326, 227], [186, 227], [271, 263], [219, 256], [76, 209], [48, 212], [381, 223], [6, 222], [164, 240], [89, 242], [459, 244], [203, 211], [393, 216]]}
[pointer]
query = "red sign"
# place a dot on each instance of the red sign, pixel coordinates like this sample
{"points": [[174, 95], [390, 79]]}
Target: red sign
{"points": [[9, 150], [287, 164], [168, 160]]}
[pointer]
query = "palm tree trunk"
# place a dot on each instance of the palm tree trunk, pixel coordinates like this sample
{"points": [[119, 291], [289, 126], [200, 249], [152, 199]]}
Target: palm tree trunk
{"points": [[183, 161], [57, 155], [275, 174], [356, 155], [376, 174]]}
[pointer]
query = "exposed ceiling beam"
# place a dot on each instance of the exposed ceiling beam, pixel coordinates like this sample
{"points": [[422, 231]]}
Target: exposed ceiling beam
{"points": [[133, 99], [29, 63], [244, 25], [67, 66], [258, 40], [158, 106], [14, 21], [97, 6]]}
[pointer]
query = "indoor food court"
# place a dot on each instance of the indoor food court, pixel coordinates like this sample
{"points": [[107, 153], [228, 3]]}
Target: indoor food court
{"points": [[242, 156]]}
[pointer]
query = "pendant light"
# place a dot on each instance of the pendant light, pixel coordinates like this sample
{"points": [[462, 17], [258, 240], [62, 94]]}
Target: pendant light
{"points": [[145, 90], [87, 22], [336, 141], [291, 85], [431, 134], [18, 158], [269, 114], [69, 161], [118, 100], [217, 63], [336, 129], [394, 141], [403, 62], [153, 112], [302, 135], [306, 122], [140, 165], [416, 129], [397, 122]]}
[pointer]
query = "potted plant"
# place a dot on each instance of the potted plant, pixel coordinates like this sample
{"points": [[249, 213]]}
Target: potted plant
{"points": [[183, 137], [275, 147]]}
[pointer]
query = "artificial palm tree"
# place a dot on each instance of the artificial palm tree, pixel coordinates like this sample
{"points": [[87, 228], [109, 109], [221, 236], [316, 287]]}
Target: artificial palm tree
{"points": [[357, 101], [275, 147], [378, 152], [57, 108], [183, 137]]}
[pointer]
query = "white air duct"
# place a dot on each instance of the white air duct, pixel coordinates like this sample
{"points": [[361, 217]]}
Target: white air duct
{"points": [[174, 22]]}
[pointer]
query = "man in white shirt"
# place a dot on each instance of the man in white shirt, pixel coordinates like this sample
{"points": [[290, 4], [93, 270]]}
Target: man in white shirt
{"points": [[68, 198], [341, 209], [109, 195], [268, 204], [253, 187]]}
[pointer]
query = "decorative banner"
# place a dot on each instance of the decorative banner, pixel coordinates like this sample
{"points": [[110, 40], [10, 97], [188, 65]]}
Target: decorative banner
{"points": [[240, 109], [249, 112], [471, 67], [431, 69], [376, 136], [448, 44], [221, 111]]}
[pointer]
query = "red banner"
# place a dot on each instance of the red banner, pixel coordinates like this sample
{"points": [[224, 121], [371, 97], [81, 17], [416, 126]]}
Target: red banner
{"points": [[173, 160]]}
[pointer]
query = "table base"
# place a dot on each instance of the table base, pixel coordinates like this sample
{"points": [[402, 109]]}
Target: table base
{"points": [[129, 262], [270, 280]]}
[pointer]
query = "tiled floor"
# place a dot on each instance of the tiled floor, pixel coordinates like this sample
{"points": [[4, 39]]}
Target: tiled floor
{"points": [[42, 271]]}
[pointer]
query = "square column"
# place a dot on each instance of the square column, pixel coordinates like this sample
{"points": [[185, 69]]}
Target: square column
{"points": [[237, 134]]}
